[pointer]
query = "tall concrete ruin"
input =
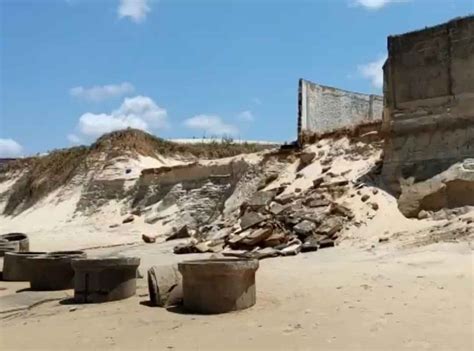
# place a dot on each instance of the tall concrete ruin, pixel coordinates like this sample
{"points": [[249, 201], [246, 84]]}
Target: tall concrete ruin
{"points": [[323, 109], [428, 101]]}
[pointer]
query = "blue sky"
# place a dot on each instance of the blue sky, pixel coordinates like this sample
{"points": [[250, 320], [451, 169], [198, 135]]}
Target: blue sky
{"points": [[73, 69]]}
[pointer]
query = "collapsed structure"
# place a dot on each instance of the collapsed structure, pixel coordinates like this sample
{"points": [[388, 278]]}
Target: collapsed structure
{"points": [[429, 101], [428, 116]]}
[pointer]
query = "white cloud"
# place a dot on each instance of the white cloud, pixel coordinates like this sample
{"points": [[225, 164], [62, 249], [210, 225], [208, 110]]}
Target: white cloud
{"points": [[74, 139], [375, 4], [139, 112], [10, 148], [246, 116], [373, 71], [137, 10], [210, 124], [102, 92]]}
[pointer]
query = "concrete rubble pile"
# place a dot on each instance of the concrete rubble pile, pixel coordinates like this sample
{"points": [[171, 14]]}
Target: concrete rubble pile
{"points": [[276, 223]]}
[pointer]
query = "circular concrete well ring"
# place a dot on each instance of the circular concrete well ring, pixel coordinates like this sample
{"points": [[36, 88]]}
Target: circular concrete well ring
{"points": [[218, 285], [104, 279], [52, 271], [19, 239], [15, 266]]}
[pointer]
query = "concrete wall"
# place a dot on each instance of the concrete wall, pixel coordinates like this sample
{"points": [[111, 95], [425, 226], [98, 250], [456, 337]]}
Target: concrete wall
{"points": [[429, 100], [324, 109]]}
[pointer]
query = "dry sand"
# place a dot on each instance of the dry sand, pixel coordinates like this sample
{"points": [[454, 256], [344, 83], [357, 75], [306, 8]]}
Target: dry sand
{"points": [[360, 295], [335, 299]]}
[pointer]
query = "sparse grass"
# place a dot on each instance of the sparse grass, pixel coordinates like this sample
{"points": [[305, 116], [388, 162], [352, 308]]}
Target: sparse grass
{"points": [[44, 174], [148, 145]]}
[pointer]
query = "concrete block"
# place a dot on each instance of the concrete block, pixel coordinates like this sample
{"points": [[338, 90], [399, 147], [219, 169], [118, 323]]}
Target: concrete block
{"points": [[15, 267], [218, 286], [104, 279], [52, 271]]}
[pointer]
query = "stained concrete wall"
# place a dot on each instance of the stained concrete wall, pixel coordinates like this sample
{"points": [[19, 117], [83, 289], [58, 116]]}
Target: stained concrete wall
{"points": [[429, 100], [323, 109]]}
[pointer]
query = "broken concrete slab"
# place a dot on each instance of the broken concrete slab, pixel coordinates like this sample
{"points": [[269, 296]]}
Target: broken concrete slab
{"points": [[330, 226], [180, 233], [275, 239], [335, 183], [305, 228], [293, 248], [341, 210], [318, 203], [261, 199], [317, 182], [276, 208], [310, 244], [257, 236], [326, 243], [285, 199], [251, 219]]}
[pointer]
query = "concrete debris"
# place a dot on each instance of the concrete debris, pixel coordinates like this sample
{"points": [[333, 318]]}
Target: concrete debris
{"points": [[185, 248], [310, 244], [374, 205], [272, 224], [129, 219], [261, 199], [318, 203], [317, 182], [257, 236], [285, 199], [326, 243], [335, 183], [275, 239], [148, 238], [180, 233], [304, 228], [276, 208], [331, 226], [293, 248], [306, 158], [251, 219]]}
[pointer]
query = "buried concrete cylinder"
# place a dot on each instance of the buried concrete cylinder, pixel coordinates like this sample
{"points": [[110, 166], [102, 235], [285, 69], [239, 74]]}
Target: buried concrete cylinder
{"points": [[104, 279], [52, 271], [14, 242], [15, 267], [218, 285]]}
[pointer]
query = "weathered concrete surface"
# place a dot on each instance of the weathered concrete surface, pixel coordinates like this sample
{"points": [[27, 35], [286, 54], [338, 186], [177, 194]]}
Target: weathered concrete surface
{"points": [[450, 189], [53, 271], [162, 280], [429, 101], [15, 267], [219, 285], [104, 279], [14, 242], [324, 109]]}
